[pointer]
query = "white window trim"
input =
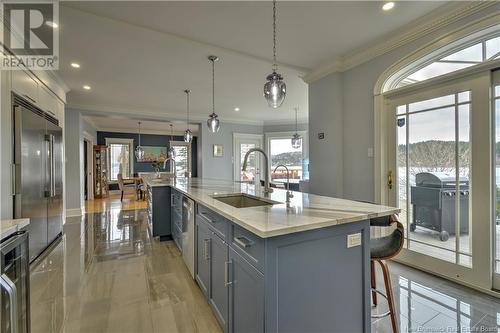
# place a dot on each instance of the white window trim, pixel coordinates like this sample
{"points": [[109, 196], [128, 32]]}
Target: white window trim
{"points": [[238, 136], [187, 144], [130, 142], [286, 135], [464, 35]]}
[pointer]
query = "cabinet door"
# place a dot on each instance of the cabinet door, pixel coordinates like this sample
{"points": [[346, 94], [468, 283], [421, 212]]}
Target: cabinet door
{"points": [[218, 298], [24, 85], [246, 296], [47, 101], [203, 257]]}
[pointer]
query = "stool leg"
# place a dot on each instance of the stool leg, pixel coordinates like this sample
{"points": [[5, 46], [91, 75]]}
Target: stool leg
{"points": [[373, 282], [390, 297]]}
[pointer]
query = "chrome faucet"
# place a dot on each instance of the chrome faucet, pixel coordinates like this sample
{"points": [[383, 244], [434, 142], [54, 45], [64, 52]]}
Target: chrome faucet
{"points": [[288, 192], [172, 163], [267, 189]]}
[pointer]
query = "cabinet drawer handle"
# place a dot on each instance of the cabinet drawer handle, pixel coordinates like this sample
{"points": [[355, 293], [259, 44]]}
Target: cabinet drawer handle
{"points": [[243, 241], [205, 215], [227, 283]]}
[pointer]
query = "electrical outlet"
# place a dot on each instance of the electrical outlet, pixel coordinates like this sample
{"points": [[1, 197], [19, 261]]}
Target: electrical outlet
{"points": [[353, 240]]}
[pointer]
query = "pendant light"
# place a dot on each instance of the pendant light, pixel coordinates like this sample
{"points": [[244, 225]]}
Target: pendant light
{"points": [[139, 151], [213, 120], [275, 87], [296, 138], [188, 135], [171, 151]]}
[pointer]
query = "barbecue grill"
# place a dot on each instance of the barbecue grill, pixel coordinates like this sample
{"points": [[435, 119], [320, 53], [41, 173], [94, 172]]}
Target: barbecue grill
{"points": [[433, 198]]}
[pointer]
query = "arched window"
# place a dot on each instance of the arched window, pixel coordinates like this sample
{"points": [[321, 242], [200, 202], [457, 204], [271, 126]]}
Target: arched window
{"points": [[451, 53], [484, 50]]}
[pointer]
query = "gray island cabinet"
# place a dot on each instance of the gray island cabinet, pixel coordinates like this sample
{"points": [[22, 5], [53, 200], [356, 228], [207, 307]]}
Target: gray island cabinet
{"points": [[308, 281], [158, 212], [299, 265]]}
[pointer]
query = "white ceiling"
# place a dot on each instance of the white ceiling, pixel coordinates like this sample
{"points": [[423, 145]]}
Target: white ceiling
{"points": [[138, 56]]}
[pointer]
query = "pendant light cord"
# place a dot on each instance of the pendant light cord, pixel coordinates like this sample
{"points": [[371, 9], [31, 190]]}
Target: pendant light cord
{"points": [[187, 118], [296, 110], [213, 86], [275, 65], [139, 134]]}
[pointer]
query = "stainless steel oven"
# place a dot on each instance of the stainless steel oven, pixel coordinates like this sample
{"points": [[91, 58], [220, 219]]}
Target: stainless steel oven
{"points": [[14, 283]]}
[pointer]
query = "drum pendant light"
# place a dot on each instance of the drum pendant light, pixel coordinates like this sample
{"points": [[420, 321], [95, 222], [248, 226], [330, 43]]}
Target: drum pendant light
{"points": [[275, 87], [213, 120]]}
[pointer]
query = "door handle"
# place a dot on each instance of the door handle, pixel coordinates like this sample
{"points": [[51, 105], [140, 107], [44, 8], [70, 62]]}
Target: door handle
{"points": [[11, 289], [389, 180], [206, 248], [52, 168], [13, 176], [227, 283]]}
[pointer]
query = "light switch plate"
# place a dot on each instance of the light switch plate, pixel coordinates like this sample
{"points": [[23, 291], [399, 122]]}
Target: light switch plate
{"points": [[353, 240]]}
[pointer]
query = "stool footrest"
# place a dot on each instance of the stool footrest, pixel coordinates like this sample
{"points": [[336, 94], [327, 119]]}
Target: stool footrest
{"points": [[380, 315]]}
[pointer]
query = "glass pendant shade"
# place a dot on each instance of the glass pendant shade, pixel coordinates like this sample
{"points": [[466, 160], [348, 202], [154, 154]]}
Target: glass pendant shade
{"points": [[275, 90], [139, 153], [188, 136], [213, 123], [213, 120], [171, 152], [296, 141]]}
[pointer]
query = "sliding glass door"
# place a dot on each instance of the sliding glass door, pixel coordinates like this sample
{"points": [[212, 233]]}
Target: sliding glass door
{"points": [[439, 176]]}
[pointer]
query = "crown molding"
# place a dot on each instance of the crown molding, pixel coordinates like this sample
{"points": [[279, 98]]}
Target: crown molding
{"points": [[440, 18], [152, 114], [300, 121]]}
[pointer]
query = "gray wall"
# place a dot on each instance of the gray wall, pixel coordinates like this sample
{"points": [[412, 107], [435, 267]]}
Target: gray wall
{"points": [[325, 116], [221, 167], [74, 128], [341, 105]]}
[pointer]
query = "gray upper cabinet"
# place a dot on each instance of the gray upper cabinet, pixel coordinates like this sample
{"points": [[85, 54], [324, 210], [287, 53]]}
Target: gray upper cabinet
{"points": [[218, 295], [246, 296], [202, 275]]}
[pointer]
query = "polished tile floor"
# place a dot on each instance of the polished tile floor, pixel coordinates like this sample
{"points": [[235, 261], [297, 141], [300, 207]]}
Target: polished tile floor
{"points": [[107, 275]]}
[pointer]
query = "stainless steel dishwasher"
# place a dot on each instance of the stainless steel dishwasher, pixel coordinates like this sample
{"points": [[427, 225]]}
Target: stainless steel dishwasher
{"points": [[188, 233]]}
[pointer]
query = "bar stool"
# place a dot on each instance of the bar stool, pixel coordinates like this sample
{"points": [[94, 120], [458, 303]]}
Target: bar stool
{"points": [[381, 249]]}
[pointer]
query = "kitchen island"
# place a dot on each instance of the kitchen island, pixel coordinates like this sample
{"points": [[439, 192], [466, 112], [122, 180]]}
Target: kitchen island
{"points": [[301, 266]]}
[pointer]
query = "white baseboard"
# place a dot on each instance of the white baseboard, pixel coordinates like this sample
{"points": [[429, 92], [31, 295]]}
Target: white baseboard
{"points": [[73, 212]]}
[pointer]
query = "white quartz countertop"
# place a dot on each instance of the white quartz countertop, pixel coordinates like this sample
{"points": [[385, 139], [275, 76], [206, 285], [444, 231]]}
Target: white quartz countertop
{"points": [[8, 227], [305, 211]]}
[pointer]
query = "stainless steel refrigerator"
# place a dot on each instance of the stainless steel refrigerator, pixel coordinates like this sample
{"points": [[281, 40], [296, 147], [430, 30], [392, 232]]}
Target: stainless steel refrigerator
{"points": [[37, 174]]}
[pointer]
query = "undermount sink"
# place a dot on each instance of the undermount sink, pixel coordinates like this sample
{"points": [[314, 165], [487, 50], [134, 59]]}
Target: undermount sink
{"points": [[241, 200]]}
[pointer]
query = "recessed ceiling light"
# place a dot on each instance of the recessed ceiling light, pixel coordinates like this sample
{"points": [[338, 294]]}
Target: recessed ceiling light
{"points": [[388, 5], [75, 65], [236, 109], [52, 24], [86, 87]]}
